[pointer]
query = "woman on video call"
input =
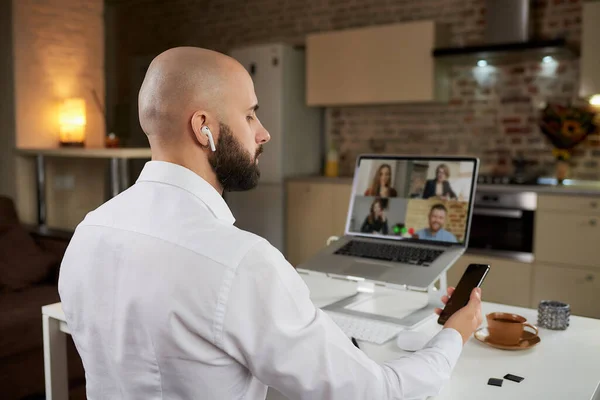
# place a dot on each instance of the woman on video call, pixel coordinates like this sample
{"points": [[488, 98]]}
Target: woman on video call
{"points": [[439, 187], [381, 184], [376, 221]]}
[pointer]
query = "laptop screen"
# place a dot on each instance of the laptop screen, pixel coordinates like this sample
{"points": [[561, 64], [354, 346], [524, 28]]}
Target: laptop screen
{"points": [[424, 199]]}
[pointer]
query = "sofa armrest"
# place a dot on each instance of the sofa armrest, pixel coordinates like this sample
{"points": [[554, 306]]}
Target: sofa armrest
{"points": [[55, 242], [52, 245]]}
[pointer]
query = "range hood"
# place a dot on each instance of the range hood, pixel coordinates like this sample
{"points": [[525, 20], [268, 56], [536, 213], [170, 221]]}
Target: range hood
{"points": [[508, 37]]}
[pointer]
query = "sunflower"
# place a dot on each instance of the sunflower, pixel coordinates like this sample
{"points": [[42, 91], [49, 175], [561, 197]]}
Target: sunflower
{"points": [[566, 127], [572, 129], [561, 154]]}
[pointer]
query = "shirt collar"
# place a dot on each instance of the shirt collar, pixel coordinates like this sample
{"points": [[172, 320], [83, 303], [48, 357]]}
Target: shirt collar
{"points": [[181, 177]]}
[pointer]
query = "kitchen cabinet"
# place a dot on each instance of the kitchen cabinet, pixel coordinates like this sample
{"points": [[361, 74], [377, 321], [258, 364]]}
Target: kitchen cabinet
{"points": [[375, 65], [567, 235], [315, 211], [567, 231], [590, 53], [569, 239], [508, 282], [341, 202], [569, 204], [579, 288]]}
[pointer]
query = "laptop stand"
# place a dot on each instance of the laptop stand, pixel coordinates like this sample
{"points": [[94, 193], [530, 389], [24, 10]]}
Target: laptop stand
{"points": [[366, 292]]}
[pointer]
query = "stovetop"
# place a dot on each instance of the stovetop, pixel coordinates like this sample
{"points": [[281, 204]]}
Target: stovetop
{"points": [[507, 180]]}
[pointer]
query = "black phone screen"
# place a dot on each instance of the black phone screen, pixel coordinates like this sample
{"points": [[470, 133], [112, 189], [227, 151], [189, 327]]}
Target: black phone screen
{"points": [[472, 278]]}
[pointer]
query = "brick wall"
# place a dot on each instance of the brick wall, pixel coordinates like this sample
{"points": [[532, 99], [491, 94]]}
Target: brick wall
{"points": [[490, 116], [417, 215], [58, 53]]}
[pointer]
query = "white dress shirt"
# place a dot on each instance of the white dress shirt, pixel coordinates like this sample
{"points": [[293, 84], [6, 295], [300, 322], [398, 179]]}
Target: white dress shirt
{"points": [[166, 299]]}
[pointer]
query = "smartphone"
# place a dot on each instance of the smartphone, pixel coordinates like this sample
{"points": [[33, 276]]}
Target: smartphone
{"points": [[472, 278]]}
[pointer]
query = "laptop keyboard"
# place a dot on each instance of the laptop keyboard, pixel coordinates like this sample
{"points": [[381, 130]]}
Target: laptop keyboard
{"points": [[388, 252]]}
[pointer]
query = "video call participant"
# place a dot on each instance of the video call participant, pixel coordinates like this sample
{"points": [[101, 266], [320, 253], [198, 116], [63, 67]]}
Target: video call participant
{"points": [[436, 231], [439, 187], [381, 184], [376, 221]]}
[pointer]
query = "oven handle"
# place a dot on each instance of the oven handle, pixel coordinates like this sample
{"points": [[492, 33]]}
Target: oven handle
{"points": [[494, 212]]}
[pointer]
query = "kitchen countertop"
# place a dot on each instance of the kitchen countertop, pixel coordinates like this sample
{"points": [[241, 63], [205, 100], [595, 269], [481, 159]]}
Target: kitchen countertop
{"points": [[571, 187], [587, 189], [321, 179]]}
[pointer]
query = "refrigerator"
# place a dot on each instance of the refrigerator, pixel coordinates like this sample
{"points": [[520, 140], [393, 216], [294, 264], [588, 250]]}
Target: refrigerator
{"points": [[296, 146]]}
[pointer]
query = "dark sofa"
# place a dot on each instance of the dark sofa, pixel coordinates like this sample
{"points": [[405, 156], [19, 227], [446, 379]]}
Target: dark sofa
{"points": [[29, 265]]}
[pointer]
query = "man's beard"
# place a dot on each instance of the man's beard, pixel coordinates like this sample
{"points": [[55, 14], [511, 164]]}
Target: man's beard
{"points": [[236, 169], [435, 227]]}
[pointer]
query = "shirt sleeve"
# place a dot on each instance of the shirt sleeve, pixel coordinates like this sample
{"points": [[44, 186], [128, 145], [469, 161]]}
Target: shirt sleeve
{"points": [[365, 227], [272, 327], [384, 228]]}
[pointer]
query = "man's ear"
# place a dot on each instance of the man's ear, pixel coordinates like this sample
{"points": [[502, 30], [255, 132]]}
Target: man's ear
{"points": [[199, 119]]}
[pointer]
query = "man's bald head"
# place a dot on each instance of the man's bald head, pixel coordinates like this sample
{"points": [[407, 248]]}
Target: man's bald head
{"points": [[189, 91], [181, 81]]}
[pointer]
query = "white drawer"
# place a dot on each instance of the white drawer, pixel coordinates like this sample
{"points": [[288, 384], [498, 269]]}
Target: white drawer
{"points": [[569, 239], [578, 287], [570, 204]]}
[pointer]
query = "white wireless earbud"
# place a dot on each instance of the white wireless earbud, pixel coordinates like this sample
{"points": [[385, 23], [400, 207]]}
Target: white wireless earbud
{"points": [[208, 133]]}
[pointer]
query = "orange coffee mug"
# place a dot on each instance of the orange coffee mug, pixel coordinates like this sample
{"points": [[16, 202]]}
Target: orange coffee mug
{"points": [[507, 328]]}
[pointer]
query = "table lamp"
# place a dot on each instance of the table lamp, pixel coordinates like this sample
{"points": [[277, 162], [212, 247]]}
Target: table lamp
{"points": [[72, 122]]}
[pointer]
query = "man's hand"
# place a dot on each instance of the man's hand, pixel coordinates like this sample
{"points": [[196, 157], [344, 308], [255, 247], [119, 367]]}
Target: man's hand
{"points": [[467, 319]]}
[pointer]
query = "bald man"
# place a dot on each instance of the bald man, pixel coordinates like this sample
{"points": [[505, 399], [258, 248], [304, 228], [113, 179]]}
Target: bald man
{"points": [[166, 299]]}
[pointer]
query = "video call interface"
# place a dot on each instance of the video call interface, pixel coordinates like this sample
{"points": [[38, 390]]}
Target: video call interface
{"points": [[424, 199]]}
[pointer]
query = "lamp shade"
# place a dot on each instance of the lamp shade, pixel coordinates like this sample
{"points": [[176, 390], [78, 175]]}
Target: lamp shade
{"points": [[72, 122]]}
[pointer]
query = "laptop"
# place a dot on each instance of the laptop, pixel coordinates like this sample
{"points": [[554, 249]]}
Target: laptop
{"points": [[408, 221]]}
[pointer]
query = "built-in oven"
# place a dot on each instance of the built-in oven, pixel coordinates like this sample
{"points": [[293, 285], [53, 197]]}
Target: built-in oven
{"points": [[503, 224]]}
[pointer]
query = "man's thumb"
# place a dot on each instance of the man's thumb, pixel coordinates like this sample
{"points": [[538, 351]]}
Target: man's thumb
{"points": [[475, 297]]}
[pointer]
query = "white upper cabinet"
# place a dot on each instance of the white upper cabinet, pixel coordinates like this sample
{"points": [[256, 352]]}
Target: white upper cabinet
{"points": [[375, 65]]}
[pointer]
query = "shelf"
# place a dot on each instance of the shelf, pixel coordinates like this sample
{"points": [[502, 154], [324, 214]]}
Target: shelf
{"points": [[508, 52], [100, 152]]}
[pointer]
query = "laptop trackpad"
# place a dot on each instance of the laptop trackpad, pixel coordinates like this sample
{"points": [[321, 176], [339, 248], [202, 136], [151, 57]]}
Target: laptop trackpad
{"points": [[366, 269]]}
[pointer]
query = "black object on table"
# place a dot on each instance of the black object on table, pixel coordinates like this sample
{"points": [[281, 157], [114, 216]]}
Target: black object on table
{"points": [[495, 382], [513, 378]]}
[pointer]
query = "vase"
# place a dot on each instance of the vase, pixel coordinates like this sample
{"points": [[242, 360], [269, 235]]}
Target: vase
{"points": [[562, 171], [111, 141]]}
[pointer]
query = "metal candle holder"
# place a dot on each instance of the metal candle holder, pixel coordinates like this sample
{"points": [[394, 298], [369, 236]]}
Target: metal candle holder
{"points": [[553, 315]]}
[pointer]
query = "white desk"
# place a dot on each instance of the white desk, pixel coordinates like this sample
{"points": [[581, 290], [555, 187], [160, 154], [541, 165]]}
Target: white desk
{"points": [[565, 365]]}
